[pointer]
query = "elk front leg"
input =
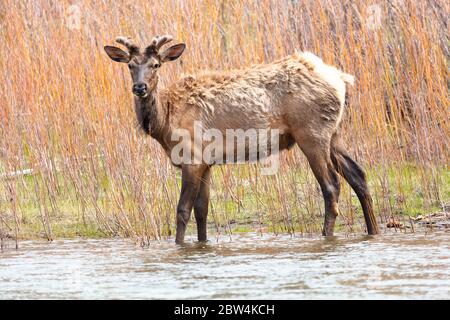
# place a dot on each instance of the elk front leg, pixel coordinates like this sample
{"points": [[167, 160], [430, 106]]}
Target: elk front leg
{"points": [[190, 185], [201, 205]]}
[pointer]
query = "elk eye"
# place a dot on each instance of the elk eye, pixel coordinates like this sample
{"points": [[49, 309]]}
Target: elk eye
{"points": [[156, 65]]}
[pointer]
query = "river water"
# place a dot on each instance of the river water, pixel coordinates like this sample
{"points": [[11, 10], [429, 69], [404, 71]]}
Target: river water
{"points": [[395, 266]]}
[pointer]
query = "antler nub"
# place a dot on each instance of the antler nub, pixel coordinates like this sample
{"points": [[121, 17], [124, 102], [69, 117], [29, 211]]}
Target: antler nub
{"points": [[127, 42], [158, 42]]}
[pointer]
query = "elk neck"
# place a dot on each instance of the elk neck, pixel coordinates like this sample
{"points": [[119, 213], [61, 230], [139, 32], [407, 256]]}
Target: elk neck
{"points": [[150, 114]]}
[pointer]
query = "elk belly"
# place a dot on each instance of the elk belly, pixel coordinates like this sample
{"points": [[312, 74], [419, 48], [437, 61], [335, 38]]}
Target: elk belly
{"points": [[240, 146]]}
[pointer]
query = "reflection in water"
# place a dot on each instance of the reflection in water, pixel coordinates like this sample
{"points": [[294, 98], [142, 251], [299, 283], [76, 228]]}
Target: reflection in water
{"points": [[248, 266]]}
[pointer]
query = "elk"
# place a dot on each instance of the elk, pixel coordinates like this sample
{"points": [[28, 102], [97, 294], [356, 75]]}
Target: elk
{"points": [[300, 96]]}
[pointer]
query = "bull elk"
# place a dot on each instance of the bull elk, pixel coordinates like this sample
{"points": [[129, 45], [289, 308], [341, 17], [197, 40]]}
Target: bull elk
{"points": [[300, 96]]}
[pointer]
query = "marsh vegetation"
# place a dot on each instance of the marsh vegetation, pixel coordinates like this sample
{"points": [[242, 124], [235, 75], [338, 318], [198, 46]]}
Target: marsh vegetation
{"points": [[73, 164]]}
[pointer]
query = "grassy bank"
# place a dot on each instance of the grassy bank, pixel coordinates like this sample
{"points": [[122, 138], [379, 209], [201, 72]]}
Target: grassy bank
{"points": [[249, 206], [66, 114]]}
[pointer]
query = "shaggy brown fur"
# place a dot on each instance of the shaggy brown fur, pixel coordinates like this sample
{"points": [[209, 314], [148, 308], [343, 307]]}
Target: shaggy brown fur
{"points": [[299, 95]]}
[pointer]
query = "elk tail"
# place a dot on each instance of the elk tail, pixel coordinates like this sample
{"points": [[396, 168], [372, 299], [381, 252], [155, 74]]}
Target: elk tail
{"points": [[348, 78]]}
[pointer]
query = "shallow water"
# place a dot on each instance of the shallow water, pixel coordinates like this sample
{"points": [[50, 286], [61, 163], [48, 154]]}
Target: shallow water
{"points": [[248, 267]]}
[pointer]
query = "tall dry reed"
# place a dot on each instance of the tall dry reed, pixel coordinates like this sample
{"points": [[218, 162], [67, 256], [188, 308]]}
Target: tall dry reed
{"points": [[67, 118]]}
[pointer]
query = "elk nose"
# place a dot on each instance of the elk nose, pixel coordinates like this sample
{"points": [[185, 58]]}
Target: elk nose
{"points": [[140, 89]]}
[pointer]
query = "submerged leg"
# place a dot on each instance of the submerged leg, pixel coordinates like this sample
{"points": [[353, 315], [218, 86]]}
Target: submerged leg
{"points": [[201, 205], [356, 177], [190, 186], [318, 155]]}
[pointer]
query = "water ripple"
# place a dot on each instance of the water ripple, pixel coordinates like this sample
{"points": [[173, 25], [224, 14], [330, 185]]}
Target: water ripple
{"points": [[248, 266]]}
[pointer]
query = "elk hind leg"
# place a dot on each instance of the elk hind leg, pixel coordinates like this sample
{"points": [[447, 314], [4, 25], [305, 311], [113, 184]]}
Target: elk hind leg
{"points": [[355, 176], [318, 154]]}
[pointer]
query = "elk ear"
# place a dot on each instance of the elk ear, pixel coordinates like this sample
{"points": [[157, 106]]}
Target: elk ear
{"points": [[117, 54], [172, 53]]}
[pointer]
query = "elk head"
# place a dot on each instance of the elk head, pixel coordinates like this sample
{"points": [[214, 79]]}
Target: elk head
{"points": [[144, 65]]}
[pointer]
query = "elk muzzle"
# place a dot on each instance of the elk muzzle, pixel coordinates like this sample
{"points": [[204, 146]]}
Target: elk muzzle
{"points": [[140, 89]]}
